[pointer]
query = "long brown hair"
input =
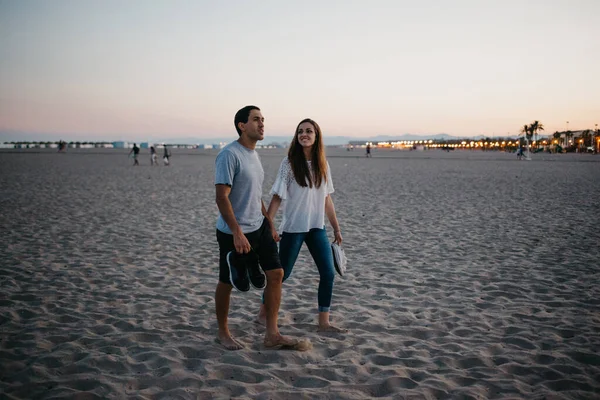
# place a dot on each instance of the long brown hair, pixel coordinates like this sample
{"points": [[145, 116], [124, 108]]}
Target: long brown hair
{"points": [[318, 171]]}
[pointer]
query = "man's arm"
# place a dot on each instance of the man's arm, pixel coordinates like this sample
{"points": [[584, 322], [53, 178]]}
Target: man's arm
{"points": [[240, 241]]}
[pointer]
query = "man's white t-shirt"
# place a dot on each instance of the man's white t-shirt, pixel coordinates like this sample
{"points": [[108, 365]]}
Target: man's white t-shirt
{"points": [[303, 207]]}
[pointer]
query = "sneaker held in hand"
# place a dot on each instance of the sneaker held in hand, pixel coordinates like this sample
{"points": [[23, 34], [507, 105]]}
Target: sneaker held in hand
{"points": [[238, 272]]}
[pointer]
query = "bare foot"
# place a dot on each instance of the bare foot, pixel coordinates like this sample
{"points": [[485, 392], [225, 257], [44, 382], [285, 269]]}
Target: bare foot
{"points": [[285, 343], [261, 318], [280, 340], [331, 329], [229, 343]]}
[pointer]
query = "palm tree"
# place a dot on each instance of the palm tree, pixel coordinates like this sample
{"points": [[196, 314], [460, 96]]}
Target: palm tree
{"points": [[586, 136], [556, 135], [527, 131], [568, 134], [534, 128]]}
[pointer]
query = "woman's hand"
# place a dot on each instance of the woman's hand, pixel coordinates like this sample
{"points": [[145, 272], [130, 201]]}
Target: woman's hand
{"points": [[337, 237], [274, 233]]}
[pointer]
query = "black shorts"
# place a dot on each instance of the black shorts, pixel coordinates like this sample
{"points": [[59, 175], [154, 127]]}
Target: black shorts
{"points": [[262, 243]]}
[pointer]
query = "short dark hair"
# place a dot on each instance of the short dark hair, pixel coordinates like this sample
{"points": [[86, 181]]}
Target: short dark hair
{"points": [[242, 116]]}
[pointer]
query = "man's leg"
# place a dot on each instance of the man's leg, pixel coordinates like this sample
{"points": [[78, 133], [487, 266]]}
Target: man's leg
{"points": [[222, 298], [272, 301], [270, 263], [223, 293], [289, 247]]}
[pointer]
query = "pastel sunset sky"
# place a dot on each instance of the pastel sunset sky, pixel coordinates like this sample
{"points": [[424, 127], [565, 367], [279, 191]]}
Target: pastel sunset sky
{"points": [[115, 69]]}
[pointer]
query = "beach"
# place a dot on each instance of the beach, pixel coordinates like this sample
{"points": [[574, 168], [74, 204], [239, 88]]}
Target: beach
{"points": [[471, 275]]}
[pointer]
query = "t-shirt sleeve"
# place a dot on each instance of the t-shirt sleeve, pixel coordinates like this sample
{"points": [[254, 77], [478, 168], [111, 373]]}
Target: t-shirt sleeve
{"points": [[282, 180], [330, 188], [225, 168]]}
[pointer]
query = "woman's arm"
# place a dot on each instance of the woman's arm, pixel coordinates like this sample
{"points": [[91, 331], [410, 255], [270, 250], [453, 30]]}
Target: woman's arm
{"points": [[270, 215], [332, 217], [274, 206]]}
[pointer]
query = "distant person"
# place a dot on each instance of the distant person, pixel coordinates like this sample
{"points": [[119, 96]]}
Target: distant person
{"points": [[134, 152], [304, 184], [519, 153], [245, 232], [153, 161], [166, 156], [62, 146], [368, 150]]}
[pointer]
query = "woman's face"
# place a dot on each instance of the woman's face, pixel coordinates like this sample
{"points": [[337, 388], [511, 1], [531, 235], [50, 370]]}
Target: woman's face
{"points": [[306, 134]]}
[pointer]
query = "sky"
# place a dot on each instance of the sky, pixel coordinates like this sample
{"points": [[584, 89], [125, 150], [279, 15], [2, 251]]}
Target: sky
{"points": [[136, 69]]}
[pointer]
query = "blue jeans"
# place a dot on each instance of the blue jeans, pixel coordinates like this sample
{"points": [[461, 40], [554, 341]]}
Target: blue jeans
{"points": [[320, 249]]}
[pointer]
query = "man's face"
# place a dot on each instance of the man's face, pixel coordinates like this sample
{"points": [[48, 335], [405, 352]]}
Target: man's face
{"points": [[254, 129]]}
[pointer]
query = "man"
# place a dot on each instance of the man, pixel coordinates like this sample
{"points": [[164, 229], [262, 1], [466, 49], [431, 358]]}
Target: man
{"points": [[166, 156], [245, 231], [135, 150]]}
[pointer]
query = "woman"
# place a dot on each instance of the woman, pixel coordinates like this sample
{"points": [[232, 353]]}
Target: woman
{"points": [[304, 186], [153, 161]]}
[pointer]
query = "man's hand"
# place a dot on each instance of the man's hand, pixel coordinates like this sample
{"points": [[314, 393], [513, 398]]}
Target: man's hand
{"points": [[241, 244], [275, 234]]}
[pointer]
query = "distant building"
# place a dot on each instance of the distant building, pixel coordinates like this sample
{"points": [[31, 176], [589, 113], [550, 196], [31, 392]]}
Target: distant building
{"points": [[276, 145], [120, 145]]}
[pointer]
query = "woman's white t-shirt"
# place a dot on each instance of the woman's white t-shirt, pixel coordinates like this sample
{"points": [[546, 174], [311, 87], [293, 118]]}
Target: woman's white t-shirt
{"points": [[303, 207]]}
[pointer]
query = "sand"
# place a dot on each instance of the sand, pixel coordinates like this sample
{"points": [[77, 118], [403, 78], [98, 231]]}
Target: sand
{"points": [[471, 275]]}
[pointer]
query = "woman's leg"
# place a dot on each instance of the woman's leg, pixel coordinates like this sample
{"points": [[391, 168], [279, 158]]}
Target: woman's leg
{"points": [[289, 248], [320, 249]]}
